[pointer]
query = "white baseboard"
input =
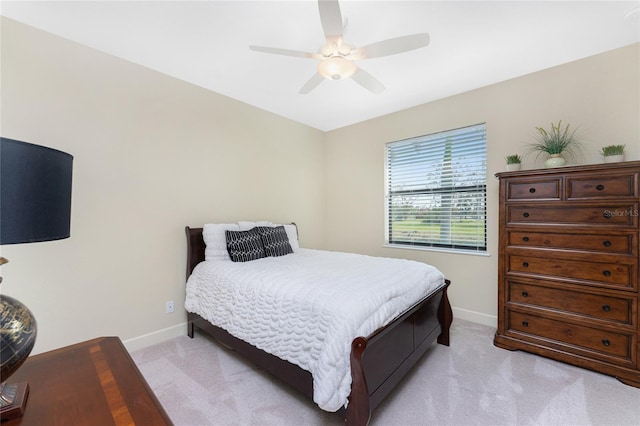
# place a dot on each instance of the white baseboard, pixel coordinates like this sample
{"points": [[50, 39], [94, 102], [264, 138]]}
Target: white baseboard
{"points": [[160, 336], [477, 317], [155, 337]]}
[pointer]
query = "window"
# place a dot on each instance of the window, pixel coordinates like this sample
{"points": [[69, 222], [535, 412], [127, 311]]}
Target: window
{"points": [[436, 190]]}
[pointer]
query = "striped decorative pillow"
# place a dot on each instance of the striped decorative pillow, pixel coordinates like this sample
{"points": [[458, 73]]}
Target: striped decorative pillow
{"points": [[244, 246], [274, 240]]}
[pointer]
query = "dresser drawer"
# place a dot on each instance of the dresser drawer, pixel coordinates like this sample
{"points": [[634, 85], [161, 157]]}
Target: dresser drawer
{"points": [[620, 186], [608, 273], [608, 308], [534, 189], [607, 342], [622, 244], [603, 215]]}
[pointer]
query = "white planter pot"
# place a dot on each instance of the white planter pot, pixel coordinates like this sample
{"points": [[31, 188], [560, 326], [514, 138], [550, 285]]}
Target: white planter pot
{"points": [[555, 160], [513, 167], [614, 158]]}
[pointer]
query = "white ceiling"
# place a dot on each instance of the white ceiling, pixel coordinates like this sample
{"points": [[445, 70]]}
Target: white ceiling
{"points": [[473, 44]]}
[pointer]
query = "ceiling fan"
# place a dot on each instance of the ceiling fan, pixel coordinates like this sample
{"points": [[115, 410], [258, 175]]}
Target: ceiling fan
{"points": [[337, 57]]}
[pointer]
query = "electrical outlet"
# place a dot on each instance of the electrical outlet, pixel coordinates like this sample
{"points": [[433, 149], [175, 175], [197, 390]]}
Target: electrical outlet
{"points": [[168, 307]]}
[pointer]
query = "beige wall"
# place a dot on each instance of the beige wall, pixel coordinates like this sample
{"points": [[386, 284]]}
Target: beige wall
{"points": [[599, 95], [152, 154]]}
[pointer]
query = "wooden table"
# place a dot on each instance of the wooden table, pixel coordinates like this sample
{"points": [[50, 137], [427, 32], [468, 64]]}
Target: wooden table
{"points": [[91, 383]]}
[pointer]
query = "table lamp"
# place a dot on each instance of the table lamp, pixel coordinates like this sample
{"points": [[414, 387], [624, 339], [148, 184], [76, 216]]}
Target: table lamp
{"points": [[35, 206]]}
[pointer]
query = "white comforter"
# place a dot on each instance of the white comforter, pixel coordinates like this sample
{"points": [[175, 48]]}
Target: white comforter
{"points": [[308, 306]]}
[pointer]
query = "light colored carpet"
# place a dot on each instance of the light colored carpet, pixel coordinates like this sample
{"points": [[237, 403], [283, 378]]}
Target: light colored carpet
{"points": [[469, 383]]}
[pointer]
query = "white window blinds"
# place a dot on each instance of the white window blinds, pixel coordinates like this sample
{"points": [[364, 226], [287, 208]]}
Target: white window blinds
{"points": [[436, 190]]}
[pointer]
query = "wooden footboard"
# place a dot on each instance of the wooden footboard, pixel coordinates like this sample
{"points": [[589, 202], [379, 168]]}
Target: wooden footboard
{"points": [[378, 361]]}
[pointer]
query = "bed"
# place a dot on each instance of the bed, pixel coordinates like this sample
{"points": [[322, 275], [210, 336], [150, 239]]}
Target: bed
{"points": [[376, 361]]}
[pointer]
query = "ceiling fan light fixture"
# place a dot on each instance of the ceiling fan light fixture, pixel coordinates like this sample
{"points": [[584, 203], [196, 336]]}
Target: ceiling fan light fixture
{"points": [[337, 58], [336, 68]]}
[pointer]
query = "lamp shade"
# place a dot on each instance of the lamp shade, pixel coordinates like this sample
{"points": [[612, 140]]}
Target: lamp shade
{"points": [[35, 193]]}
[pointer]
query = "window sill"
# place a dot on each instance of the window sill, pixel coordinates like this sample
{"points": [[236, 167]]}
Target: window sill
{"points": [[437, 249]]}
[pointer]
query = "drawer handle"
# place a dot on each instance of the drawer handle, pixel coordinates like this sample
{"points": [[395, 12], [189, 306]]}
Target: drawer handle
{"points": [[525, 323], [525, 294], [606, 308], [606, 243], [525, 214], [525, 264], [525, 239], [606, 342], [600, 187], [606, 273], [532, 190], [607, 214]]}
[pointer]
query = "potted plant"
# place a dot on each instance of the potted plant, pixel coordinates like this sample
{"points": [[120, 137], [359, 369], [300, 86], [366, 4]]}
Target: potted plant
{"points": [[556, 142], [513, 162], [613, 153]]}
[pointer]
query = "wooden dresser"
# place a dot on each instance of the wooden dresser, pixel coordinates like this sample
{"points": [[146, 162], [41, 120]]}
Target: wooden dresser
{"points": [[568, 266]]}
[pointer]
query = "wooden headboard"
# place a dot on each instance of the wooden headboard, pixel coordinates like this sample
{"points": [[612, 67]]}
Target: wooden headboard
{"points": [[195, 248]]}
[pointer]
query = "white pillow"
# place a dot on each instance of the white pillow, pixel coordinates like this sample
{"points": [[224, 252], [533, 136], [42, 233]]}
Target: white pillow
{"points": [[245, 226], [215, 239], [292, 234]]}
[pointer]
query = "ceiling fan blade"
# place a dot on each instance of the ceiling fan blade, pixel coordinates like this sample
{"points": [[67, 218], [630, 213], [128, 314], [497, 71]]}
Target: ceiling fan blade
{"points": [[368, 81], [391, 46], [311, 84], [331, 19], [285, 52]]}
